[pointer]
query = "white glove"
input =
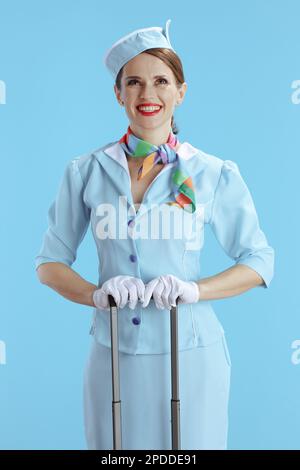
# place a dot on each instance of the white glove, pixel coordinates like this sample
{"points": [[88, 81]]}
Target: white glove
{"points": [[123, 289], [166, 289]]}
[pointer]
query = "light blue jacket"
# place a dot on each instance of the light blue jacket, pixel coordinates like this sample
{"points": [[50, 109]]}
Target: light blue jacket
{"points": [[222, 200]]}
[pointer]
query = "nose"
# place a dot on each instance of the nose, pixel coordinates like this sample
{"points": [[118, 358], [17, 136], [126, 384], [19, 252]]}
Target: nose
{"points": [[147, 92]]}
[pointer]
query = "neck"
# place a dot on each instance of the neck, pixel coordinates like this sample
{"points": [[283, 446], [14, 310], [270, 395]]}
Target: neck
{"points": [[156, 137]]}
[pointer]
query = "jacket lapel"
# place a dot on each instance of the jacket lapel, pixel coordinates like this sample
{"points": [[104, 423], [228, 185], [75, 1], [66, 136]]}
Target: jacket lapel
{"points": [[113, 160]]}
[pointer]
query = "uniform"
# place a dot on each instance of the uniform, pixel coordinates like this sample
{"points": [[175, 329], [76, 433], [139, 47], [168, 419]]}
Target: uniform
{"points": [[100, 180]]}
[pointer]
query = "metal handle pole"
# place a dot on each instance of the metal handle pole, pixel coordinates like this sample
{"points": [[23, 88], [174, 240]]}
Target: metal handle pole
{"points": [[175, 401], [116, 402]]}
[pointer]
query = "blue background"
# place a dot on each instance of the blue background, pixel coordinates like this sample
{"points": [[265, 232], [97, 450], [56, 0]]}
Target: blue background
{"points": [[240, 59]]}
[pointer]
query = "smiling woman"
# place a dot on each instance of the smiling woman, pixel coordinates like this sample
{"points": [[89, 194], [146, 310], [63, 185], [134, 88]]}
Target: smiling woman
{"points": [[178, 186], [165, 75]]}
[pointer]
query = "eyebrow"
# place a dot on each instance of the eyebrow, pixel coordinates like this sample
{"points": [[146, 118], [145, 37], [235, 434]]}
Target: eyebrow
{"points": [[136, 76]]}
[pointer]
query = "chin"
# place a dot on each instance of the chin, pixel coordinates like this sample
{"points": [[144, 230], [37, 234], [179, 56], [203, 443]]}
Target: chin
{"points": [[146, 125]]}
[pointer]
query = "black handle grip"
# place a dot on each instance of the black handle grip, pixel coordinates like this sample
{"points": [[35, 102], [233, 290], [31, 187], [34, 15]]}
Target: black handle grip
{"points": [[112, 302]]}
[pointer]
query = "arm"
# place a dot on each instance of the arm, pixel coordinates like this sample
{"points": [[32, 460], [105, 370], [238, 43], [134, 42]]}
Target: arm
{"points": [[67, 283], [235, 224], [232, 281], [68, 220]]}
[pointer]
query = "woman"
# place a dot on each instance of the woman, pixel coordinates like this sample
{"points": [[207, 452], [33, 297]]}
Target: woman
{"points": [[148, 198]]}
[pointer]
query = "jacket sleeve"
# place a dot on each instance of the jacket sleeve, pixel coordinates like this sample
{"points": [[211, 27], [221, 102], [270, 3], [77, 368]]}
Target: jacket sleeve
{"points": [[68, 220], [235, 224]]}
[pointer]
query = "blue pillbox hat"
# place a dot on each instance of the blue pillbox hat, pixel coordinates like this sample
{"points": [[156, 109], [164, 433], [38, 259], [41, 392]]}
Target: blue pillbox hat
{"points": [[129, 46]]}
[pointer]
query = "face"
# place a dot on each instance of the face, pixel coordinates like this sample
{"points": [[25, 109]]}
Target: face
{"points": [[154, 84]]}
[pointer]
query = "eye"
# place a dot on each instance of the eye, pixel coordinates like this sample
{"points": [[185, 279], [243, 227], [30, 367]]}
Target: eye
{"points": [[160, 79], [130, 81]]}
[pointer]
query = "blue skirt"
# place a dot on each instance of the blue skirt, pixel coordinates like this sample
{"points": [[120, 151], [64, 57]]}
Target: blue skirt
{"points": [[145, 389]]}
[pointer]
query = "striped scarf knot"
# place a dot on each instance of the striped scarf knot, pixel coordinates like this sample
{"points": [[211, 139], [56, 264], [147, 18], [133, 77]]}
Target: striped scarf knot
{"points": [[182, 188]]}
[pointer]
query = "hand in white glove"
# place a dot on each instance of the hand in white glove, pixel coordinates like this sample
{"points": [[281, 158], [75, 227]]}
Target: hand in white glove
{"points": [[166, 289], [123, 289]]}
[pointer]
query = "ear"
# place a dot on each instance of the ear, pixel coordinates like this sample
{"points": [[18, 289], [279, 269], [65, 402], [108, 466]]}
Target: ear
{"points": [[118, 95], [181, 92]]}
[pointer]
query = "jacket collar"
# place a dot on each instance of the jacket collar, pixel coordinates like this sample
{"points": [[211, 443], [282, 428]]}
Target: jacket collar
{"points": [[116, 152], [113, 159]]}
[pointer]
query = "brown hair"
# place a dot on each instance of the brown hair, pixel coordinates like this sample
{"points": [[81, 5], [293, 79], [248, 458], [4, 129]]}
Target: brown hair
{"points": [[171, 59]]}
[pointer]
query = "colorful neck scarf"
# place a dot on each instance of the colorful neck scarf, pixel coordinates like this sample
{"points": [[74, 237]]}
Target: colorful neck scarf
{"points": [[183, 189]]}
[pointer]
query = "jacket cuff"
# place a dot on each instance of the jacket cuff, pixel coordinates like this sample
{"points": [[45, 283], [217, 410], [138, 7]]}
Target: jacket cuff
{"points": [[263, 266]]}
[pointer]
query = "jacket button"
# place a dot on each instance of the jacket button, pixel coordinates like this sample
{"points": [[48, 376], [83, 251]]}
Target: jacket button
{"points": [[132, 258], [136, 320]]}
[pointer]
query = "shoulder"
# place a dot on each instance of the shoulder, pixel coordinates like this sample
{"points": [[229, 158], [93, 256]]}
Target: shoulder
{"points": [[201, 161], [83, 164]]}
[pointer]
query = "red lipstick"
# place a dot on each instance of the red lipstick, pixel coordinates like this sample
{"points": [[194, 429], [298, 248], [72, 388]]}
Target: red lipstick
{"points": [[149, 113]]}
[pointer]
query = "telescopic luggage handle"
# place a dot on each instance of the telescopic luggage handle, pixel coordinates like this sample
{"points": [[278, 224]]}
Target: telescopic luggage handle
{"points": [[116, 401]]}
